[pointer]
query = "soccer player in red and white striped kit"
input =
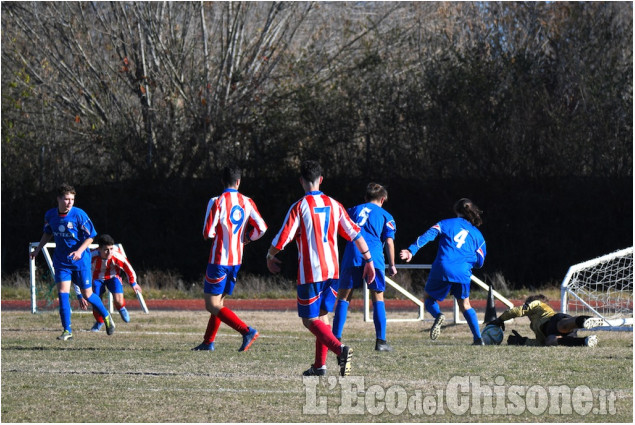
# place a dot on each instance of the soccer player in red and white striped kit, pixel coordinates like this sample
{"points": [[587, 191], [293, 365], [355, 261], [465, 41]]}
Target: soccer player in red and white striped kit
{"points": [[107, 262], [314, 223], [231, 221]]}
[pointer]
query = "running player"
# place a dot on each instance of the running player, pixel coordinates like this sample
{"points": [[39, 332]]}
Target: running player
{"points": [[314, 222], [461, 247], [226, 223], [107, 262], [550, 328], [73, 232], [378, 228]]}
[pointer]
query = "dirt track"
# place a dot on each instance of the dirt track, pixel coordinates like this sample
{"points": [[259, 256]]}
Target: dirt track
{"points": [[267, 304]]}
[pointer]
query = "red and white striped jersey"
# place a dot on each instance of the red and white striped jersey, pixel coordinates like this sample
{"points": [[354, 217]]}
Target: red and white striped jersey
{"points": [[226, 221], [107, 269], [314, 222]]}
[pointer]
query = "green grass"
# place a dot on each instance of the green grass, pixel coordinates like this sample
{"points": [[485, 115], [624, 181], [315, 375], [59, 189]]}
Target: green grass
{"points": [[146, 372]]}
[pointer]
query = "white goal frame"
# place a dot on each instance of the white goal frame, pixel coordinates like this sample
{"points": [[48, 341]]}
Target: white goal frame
{"points": [[571, 293], [49, 262], [419, 303]]}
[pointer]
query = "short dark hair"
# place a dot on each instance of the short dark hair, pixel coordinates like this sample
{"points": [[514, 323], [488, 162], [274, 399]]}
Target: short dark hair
{"points": [[533, 298], [468, 210], [310, 170], [375, 191], [65, 188], [231, 173], [105, 240]]}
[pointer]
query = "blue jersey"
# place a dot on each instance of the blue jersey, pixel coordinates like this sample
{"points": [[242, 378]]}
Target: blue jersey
{"points": [[461, 247], [69, 230], [377, 225]]}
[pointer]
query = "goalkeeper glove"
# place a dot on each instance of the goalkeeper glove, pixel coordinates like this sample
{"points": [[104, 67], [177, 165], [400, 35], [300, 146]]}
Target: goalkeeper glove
{"points": [[497, 322], [516, 339]]}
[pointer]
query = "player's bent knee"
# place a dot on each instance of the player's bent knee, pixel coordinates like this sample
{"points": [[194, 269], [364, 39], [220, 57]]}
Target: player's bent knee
{"points": [[551, 340], [307, 322]]}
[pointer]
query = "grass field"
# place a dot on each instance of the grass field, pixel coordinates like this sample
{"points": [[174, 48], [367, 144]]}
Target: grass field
{"points": [[146, 372]]}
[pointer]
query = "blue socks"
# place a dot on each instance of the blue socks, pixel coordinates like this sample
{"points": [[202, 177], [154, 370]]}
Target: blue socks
{"points": [[341, 310], [379, 318], [432, 307], [96, 302], [65, 310], [472, 321]]}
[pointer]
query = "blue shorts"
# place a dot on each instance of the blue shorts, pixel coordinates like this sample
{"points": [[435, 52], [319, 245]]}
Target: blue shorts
{"points": [[220, 279], [351, 278], [114, 286], [313, 297], [80, 277], [439, 289]]}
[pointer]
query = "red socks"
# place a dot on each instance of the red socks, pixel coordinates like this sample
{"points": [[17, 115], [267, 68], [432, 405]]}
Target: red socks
{"points": [[98, 317], [321, 351], [323, 333], [212, 329], [230, 319]]}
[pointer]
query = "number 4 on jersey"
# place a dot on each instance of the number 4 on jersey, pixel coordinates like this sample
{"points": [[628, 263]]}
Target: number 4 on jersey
{"points": [[460, 237]]}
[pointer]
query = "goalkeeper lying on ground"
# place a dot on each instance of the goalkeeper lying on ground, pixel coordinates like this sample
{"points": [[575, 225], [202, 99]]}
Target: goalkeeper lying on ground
{"points": [[550, 328]]}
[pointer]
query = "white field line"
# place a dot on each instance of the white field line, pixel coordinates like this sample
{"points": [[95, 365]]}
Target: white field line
{"points": [[117, 331]]}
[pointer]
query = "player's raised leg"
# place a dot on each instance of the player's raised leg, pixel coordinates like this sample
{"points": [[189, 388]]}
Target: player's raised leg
{"points": [[432, 307]]}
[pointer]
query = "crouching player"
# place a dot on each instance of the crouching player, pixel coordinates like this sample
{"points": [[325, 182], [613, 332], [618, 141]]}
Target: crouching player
{"points": [[550, 328], [107, 263]]}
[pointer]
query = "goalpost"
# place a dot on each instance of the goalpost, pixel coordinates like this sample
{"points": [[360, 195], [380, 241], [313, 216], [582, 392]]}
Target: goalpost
{"points": [[602, 287], [49, 262], [457, 315]]}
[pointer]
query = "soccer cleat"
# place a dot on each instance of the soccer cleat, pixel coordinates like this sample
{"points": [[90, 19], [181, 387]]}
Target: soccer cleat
{"points": [[592, 322], [344, 360], [478, 342], [66, 336], [204, 346], [97, 327], [435, 331], [313, 371], [125, 316], [249, 339], [110, 324], [591, 341], [382, 345]]}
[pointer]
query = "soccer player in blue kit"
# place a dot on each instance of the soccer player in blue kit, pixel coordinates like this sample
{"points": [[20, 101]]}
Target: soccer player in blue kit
{"points": [[461, 247], [378, 228], [73, 232]]}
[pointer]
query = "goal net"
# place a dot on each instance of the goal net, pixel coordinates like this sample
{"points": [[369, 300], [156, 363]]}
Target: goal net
{"points": [[602, 287]]}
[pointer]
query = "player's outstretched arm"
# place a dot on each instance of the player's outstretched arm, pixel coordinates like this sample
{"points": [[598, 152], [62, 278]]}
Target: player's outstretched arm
{"points": [[405, 254]]}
